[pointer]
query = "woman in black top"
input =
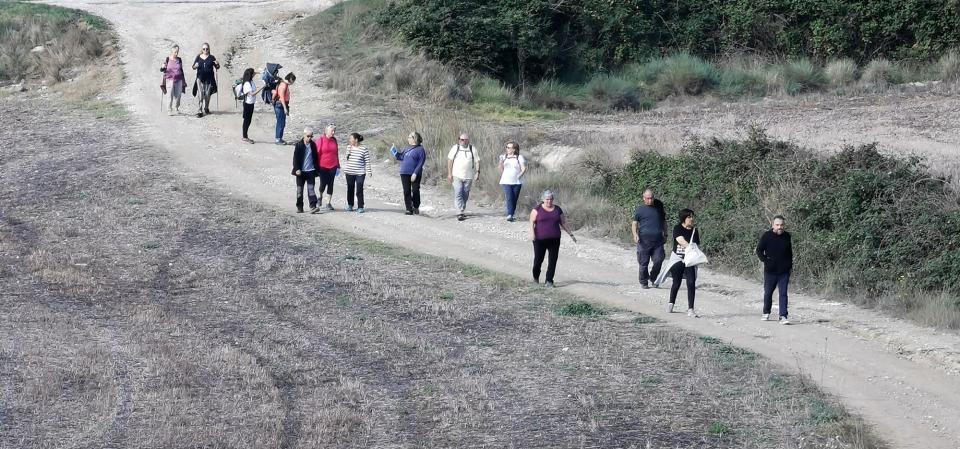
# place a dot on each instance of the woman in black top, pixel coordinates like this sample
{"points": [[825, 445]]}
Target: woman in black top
{"points": [[683, 233]]}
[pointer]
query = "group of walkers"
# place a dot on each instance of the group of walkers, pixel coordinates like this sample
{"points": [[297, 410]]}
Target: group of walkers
{"points": [[205, 86], [649, 229], [175, 82], [319, 158]]}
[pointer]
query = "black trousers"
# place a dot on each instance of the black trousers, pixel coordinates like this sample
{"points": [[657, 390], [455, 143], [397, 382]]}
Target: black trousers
{"points": [[550, 248], [355, 185], [327, 175], [411, 192], [680, 271], [306, 179], [247, 118]]}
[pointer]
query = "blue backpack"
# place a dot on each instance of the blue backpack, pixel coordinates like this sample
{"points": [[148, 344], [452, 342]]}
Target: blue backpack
{"points": [[270, 77]]}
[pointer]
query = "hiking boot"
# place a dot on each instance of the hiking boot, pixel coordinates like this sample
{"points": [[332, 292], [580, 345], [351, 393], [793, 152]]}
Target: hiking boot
{"points": [[669, 307], [461, 217], [314, 209], [359, 210], [328, 206], [644, 285], [408, 212], [416, 211], [206, 111], [765, 317], [280, 142], [692, 313], [784, 320], [199, 114], [247, 140], [299, 209], [349, 208], [548, 284], [510, 218]]}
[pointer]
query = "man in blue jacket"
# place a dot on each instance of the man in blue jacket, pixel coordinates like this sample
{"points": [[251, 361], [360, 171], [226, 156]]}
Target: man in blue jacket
{"points": [[775, 250]]}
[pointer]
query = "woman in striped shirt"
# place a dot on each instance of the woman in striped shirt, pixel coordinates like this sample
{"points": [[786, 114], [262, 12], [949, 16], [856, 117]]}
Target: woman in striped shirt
{"points": [[356, 170]]}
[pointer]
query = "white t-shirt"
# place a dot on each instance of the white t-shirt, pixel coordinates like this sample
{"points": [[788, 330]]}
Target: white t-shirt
{"points": [[249, 88], [463, 161], [511, 169]]}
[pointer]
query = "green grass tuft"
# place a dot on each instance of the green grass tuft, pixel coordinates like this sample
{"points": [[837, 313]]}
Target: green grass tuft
{"points": [[579, 308]]}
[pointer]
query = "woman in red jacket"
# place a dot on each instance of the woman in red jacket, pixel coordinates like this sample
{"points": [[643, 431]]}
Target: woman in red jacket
{"points": [[328, 154]]}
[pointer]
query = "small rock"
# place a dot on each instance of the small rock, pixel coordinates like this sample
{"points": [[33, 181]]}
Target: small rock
{"points": [[38, 49]]}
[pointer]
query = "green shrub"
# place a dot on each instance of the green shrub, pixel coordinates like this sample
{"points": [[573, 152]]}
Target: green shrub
{"points": [[578, 309], [488, 90], [613, 92], [801, 76], [553, 94], [949, 66], [863, 223], [684, 74], [881, 72], [737, 80], [841, 72]]}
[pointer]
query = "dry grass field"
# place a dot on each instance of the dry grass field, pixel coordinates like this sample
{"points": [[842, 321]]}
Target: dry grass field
{"points": [[144, 309]]}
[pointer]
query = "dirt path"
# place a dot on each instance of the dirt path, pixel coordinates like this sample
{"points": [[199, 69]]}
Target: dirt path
{"points": [[902, 378]]}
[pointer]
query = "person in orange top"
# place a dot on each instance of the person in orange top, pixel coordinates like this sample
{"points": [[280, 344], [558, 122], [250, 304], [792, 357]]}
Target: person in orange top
{"points": [[328, 154], [281, 106]]}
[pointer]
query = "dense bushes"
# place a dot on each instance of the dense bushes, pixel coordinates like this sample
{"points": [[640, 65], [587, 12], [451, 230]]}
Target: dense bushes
{"points": [[521, 41], [863, 223], [40, 41]]}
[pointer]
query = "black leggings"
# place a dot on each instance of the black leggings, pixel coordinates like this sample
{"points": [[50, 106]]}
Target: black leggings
{"points": [[540, 249], [680, 271], [355, 184], [327, 175], [247, 118], [411, 192]]}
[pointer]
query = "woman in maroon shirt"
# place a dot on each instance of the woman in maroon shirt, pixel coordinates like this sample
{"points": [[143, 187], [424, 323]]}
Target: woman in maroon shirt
{"points": [[546, 220]]}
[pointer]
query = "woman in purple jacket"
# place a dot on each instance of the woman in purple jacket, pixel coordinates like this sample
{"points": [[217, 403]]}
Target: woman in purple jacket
{"points": [[546, 220], [411, 171]]}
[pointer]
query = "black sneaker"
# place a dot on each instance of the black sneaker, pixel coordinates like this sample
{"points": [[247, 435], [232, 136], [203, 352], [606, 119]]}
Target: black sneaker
{"points": [[416, 211], [644, 286], [461, 217], [299, 210], [206, 111], [409, 212], [199, 114]]}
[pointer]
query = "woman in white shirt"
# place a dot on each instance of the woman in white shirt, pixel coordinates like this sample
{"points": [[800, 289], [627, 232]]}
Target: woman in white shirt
{"points": [[512, 167], [250, 92]]}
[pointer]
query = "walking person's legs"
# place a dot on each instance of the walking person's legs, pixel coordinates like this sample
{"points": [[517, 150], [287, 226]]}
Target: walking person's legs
{"points": [[359, 181], [539, 251], [690, 274], [327, 175], [351, 183], [458, 194], [407, 200], [676, 273], [656, 260], [176, 93], [553, 253], [643, 258], [783, 282], [507, 200], [301, 180], [515, 188], [247, 118], [311, 192], [415, 194], [769, 283], [281, 122]]}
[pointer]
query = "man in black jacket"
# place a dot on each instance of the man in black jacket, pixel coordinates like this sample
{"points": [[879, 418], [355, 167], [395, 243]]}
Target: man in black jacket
{"points": [[305, 164], [775, 250]]}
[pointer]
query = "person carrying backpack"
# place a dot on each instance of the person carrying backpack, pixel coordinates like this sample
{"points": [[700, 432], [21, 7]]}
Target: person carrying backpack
{"points": [[172, 69], [281, 106], [462, 169], [512, 166], [206, 66]]}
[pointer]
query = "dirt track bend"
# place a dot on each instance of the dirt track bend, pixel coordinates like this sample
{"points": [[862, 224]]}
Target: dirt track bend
{"points": [[902, 378]]}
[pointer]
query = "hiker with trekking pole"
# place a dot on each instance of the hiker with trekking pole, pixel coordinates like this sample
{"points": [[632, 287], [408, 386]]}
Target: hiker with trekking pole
{"points": [[172, 70], [206, 84]]}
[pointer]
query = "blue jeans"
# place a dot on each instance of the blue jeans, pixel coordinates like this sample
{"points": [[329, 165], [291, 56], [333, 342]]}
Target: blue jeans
{"points": [[775, 281], [511, 193], [461, 192], [281, 120]]}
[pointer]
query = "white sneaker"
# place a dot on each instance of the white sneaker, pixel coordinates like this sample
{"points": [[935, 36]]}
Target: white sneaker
{"points": [[784, 320], [692, 314], [669, 307], [765, 317]]}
